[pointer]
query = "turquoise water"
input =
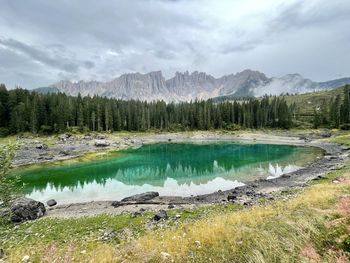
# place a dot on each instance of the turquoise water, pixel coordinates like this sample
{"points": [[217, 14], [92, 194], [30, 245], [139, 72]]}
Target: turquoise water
{"points": [[170, 168]]}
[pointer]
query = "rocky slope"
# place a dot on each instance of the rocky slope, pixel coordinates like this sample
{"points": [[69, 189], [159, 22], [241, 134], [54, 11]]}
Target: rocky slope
{"points": [[190, 86]]}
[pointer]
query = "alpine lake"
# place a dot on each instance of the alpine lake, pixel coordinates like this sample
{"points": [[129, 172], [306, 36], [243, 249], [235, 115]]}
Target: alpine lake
{"points": [[172, 169]]}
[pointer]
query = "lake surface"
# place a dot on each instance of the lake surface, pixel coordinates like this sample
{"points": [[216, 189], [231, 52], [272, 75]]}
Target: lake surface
{"points": [[170, 168]]}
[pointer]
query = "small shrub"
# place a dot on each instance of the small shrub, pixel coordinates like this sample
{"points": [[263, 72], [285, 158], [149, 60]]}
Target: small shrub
{"points": [[345, 126], [346, 244], [46, 129], [4, 132]]}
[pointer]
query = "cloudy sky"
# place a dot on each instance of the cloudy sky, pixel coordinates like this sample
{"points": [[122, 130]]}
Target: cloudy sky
{"points": [[43, 41]]}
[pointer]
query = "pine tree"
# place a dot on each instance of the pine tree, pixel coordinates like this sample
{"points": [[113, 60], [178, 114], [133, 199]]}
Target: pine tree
{"points": [[93, 120], [346, 105]]}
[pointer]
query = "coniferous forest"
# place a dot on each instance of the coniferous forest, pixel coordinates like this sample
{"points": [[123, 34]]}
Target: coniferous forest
{"points": [[26, 111]]}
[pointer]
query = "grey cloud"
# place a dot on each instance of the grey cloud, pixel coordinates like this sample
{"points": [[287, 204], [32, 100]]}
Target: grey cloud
{"points": [[291, 15], [89, 64], [302, 14], [242, 47], [86, 39], [45, 57]]}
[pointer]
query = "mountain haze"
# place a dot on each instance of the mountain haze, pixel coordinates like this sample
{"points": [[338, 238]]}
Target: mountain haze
{"points": [[185, 86]]}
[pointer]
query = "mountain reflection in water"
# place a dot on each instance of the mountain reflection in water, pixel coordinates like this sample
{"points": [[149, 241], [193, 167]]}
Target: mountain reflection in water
{"points": [[171, 169]]}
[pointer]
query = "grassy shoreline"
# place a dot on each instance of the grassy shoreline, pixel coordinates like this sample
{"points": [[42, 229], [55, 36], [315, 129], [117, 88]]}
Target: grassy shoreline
{"points": [[313, 225], [307, 225]]}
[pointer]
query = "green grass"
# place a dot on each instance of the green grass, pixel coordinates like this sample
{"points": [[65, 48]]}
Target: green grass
{"points": [[85, 234], [343, 139], [311, 227]]}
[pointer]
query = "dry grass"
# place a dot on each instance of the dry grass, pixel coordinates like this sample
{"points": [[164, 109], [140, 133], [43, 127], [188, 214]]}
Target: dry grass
{"points": [[313, 227], [282, 232]]}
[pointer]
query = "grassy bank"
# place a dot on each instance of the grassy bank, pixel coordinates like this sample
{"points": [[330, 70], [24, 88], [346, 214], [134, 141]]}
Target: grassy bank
{"points": [[312, 227]]}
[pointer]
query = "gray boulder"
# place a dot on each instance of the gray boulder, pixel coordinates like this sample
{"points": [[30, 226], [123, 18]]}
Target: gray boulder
{"points": [[24, 209], [51, 202], [116, 204], [108, 234], [231, 198], [161, 215], [141, 197], [326, 134], [64, 153], [41, 146], [101, 143]]}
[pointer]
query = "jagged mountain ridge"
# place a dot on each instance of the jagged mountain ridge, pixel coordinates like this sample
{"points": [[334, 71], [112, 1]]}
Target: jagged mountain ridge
{"points": [[185, 86]]}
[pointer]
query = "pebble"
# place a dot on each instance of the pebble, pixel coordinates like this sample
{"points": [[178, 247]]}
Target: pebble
{"points": [[165, 255], [25, 258]]}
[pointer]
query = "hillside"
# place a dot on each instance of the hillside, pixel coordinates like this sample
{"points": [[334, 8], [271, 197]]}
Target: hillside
{"points": [[306, 103]]}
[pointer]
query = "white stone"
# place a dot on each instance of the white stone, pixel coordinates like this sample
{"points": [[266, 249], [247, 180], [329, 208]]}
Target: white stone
{"points": [[25, 258], [165, 255]]}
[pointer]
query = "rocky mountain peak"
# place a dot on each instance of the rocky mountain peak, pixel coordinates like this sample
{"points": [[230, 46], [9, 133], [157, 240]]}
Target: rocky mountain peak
{"points": [[186, 86]]}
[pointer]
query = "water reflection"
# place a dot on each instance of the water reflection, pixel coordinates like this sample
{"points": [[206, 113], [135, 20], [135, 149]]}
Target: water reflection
{"points": [[170, 169], [277, 170]]}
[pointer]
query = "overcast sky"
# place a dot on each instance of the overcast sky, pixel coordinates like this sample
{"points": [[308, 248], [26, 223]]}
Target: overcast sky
{"points": [[44, 41]]}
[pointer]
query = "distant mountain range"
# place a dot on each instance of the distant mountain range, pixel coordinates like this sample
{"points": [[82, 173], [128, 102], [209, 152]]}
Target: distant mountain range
{"points": [[190, 86]]}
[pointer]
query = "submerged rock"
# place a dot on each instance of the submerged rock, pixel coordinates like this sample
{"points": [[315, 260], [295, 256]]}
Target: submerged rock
{"points": [[24, 209], [141, 197], [51, 202]]}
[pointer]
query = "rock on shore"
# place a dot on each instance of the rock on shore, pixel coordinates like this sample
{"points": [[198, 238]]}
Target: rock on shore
{"points": [[141, 197], [24, 209]]}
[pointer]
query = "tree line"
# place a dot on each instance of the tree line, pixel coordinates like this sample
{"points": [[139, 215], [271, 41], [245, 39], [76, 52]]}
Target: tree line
{"points": [[27, 111]]}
